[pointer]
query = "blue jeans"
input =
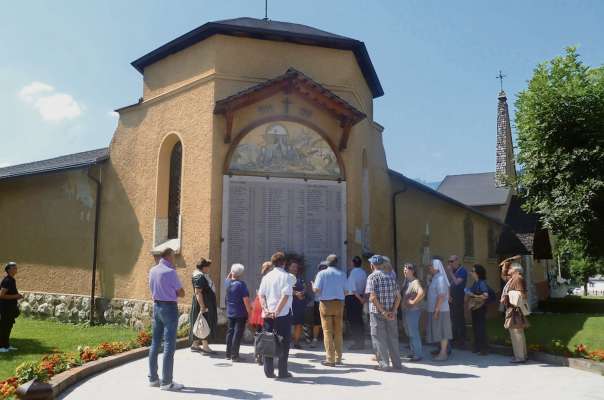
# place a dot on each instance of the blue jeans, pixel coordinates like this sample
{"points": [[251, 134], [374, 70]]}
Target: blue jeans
{"points": [[412, 324], [165, 324], [234, 335]]}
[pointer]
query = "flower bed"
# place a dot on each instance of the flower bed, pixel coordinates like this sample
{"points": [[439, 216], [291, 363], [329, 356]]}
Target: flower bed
{"points": [[56, 363], [556, 347]]}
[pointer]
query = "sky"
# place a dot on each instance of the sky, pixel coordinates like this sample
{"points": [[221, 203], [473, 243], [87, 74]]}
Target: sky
{"points": [[65, 66]]}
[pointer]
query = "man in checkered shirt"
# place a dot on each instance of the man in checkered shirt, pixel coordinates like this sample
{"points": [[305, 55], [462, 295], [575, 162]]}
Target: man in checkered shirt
{"points": [[384, 300]]}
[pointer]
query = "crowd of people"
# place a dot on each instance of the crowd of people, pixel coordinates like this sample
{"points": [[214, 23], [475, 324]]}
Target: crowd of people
{"points": [[332, 298]]}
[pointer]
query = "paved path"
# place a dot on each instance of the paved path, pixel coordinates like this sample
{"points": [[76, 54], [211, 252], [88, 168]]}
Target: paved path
{"points": [[464, 376]]}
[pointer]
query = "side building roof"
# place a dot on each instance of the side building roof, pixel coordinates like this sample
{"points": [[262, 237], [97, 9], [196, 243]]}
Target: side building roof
{"points": [[474, 189], [268, 30], [435, 193], [70, 161]]}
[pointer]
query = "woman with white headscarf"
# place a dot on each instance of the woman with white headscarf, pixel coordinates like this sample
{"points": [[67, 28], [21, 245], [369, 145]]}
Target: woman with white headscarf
{"points": [[439, 318]]}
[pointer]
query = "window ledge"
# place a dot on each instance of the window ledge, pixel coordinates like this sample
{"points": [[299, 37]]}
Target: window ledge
{"points": [[174, 244]]}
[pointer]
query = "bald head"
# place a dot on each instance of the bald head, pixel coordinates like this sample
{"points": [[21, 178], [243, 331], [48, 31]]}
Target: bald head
{"points": [[453, 262]]}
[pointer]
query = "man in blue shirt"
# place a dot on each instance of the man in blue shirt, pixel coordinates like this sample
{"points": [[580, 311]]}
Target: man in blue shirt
{"points": [[331, 286], [458, 277], [357, 280]]}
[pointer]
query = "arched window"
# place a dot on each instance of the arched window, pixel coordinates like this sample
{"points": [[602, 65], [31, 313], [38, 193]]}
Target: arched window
{"points": [[168, 195], [468, 230], [174, 191]]}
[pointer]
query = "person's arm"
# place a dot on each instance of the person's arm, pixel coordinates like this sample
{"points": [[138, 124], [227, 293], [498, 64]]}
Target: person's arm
{"points": [[199, 297], [180, 292], [374, 299], [397, 303], [452, 278], [316, 284], [418, 297], [264, 305], [5, 296], [439, 300], [281, 304], [248, 306]]}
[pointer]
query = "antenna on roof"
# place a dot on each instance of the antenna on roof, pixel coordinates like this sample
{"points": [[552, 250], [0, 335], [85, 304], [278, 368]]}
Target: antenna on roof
{"points": [[266, 10]]}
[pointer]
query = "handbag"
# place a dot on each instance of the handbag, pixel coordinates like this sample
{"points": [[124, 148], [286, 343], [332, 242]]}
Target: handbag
{"points": [[265, 344], [201, 328], [518, 300]]}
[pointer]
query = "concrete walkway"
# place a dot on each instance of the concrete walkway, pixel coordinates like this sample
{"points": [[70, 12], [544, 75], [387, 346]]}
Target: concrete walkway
{"points": [[465, 376]]}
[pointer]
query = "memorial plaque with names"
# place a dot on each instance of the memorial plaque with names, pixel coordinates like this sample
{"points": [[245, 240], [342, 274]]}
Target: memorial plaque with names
{"points": [[265, 216]]}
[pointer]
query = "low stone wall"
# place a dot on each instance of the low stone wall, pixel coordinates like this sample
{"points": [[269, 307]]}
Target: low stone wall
{"points": [[76, 309]]}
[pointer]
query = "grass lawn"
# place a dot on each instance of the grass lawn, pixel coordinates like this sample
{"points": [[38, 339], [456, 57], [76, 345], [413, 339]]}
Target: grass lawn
{"points": [[35, 338], [570, 329]]}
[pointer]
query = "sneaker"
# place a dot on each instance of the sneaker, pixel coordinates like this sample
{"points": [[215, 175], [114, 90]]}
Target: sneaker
{"points": [[172, 387], [297, 346], [154, 383], [314, 343], [4, 350]]}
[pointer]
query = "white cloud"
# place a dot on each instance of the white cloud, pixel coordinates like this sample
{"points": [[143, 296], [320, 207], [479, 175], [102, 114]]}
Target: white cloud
{"points": [[34, 90], [53, 106], [113, 114]]}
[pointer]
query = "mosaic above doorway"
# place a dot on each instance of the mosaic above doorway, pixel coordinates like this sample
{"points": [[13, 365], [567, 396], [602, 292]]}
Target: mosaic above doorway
{"points": [[284, 148]]}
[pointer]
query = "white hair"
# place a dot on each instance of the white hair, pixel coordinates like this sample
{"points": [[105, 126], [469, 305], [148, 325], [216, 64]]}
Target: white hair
{"points": [[517, 267], [237, 269]]}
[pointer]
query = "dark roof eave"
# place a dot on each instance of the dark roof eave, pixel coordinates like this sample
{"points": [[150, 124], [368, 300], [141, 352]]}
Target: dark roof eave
{"points": [[52, 170], [446, 198], [211, 28]]}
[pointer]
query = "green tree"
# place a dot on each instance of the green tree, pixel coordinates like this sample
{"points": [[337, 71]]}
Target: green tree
{"points": [[560, 125], [579, 265]]}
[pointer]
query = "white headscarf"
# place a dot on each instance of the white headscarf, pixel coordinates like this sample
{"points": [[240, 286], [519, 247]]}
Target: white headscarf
{"points": [[436, 263]]}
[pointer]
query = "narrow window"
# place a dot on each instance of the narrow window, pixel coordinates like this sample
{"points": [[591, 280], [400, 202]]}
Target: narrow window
{"points": [[174, 191], [492, 242], [468, 229]]}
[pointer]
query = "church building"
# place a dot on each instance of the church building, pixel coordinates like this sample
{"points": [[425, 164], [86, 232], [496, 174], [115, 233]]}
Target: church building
{"points": [[250, 136]]}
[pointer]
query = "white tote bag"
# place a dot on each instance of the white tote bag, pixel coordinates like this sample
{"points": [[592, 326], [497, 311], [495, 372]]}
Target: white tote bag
{"points": [[518, 300], [201, 329]]}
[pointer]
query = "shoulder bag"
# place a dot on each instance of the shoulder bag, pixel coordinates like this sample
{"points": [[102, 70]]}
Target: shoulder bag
{"points": [[201, 329], [265, 344]]}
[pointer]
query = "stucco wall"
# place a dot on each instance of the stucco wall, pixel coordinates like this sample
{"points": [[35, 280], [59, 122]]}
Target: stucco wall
{"points": [[47, 228], [416, 209], [129, 196]]}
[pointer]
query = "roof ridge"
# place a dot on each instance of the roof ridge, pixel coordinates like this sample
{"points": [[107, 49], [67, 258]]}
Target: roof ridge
{"points": [[67, 161]]}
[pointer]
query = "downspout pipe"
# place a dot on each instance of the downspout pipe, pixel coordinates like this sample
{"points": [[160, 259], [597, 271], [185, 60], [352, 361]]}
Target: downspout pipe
{"points": [[97, 214], [394, 231]]}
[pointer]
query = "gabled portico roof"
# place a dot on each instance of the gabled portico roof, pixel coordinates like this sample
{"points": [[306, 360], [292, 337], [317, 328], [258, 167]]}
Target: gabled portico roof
{"points": [[292, 81]]}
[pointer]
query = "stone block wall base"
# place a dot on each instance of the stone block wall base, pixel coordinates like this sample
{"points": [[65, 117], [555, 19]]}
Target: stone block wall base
{"points": [[76, 309]]}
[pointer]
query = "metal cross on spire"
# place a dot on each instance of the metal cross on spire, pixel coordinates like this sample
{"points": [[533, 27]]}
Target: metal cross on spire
{"points": [[500, 77]]}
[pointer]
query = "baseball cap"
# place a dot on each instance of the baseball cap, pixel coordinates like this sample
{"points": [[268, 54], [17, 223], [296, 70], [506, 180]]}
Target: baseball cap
{"points": [[376, 259]]}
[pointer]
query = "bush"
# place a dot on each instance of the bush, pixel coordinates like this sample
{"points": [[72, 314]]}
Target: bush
{"points": [[572, 305], [29, 370]]}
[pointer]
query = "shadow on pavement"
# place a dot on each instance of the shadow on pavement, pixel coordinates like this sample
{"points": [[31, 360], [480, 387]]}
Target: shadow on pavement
{"points": [[435, 374], [309, 369], [331, 380], [228, 393]]}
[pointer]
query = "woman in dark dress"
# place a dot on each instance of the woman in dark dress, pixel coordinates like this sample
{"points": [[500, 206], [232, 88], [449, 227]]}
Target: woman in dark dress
{"points": [[298, 303], [204, 299]]}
